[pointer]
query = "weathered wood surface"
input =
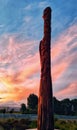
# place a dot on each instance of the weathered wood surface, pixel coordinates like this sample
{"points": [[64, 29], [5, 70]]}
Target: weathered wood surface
{"points": [[45, 104]]}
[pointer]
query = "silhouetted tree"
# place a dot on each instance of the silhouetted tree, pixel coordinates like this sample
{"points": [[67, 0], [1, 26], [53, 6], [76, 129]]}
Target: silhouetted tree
{"points": [[23, 108], [32, 101], [3, 111], [12, 110], [65, 106], [57, 105], [74, 106]]}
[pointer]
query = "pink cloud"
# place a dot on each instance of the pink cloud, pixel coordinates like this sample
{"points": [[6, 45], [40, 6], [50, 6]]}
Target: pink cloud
{"points": [[19, 78], [60, 52], [69, 91]]}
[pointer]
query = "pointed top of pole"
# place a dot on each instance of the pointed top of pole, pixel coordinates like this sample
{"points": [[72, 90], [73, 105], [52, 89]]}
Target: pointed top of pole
{"points": [[47, 13]]}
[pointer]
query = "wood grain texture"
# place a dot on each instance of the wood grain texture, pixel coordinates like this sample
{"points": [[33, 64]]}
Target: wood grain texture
{"points": [[45, 104]]}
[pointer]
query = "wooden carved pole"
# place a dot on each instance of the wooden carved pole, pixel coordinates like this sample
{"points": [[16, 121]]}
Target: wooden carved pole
{"points": [[45, 104]]}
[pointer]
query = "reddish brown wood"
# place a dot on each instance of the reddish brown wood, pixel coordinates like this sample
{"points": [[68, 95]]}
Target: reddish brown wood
{"points": [[45, 104]]}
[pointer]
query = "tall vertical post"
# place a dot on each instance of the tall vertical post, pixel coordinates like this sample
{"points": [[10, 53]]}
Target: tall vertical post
{"points": [[45, 103]]}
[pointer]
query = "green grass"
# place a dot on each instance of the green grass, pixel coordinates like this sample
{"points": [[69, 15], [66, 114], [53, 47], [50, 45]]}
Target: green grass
{"points": [[66, 124], [14, 124], [33, 124], [22, 124]]}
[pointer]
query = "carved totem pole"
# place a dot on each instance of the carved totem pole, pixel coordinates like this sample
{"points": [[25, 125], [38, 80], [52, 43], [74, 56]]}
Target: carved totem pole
{"points": [[45, 103]]}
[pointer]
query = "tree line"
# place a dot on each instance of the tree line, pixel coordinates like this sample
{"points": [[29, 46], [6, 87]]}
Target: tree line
{"points": [[63, 107]]}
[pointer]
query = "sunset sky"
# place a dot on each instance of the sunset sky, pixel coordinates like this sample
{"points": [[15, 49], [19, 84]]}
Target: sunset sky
{"points": [[21, 29]]}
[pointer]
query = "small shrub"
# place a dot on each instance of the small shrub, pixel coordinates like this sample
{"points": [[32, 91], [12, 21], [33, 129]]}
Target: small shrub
{"points": [[33, 124], [63, 122]]}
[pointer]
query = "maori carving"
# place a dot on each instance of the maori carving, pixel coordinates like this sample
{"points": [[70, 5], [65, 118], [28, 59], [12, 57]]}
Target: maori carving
{"points": [[45, 104]]}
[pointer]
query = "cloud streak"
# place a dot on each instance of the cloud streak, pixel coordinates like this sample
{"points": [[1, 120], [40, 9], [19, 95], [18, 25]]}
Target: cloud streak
{"points": [[22, 67], [19, 45], [69, 91]]}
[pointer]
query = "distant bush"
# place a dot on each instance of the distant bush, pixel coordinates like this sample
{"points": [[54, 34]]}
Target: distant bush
{"points": [[23, 108], [3, 110]]}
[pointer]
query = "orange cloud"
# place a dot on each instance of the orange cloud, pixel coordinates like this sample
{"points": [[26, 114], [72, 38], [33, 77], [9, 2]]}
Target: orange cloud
{"points": [[16, 93], [15, 83], [21, 65]]}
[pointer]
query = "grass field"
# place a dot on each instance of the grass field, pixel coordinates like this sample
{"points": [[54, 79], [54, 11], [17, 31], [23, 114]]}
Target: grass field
{"points": [[66, 124], [22, 124]]}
